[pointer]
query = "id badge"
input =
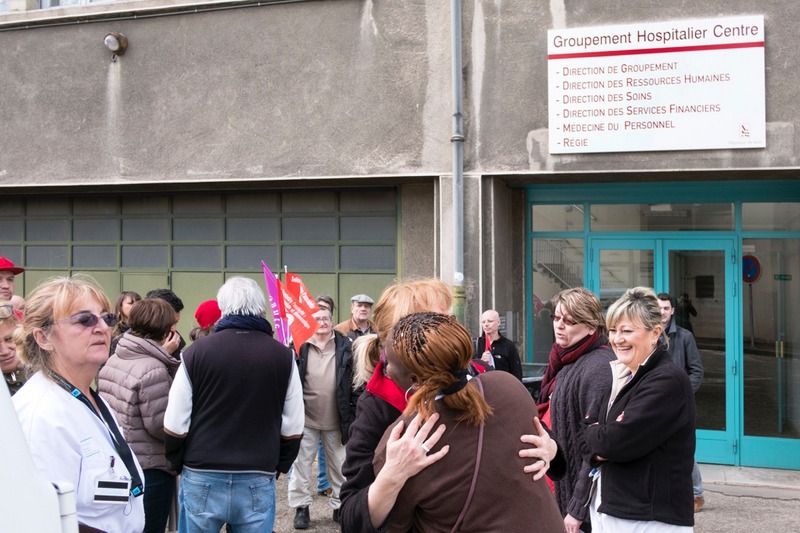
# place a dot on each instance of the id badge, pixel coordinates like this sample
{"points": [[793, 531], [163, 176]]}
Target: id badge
{"points": [[114, 491]]}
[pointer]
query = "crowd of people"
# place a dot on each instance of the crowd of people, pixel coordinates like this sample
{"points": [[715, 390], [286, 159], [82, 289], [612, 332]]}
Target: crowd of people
{"points": [[415, 424]]}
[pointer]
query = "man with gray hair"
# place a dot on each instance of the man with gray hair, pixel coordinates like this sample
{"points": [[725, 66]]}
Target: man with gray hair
{"points": [[359, 323], [235, 417]]}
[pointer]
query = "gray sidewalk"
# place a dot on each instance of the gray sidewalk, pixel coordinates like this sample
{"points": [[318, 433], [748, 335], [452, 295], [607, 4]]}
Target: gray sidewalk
{"points": [[749, 500], [738, 500]]}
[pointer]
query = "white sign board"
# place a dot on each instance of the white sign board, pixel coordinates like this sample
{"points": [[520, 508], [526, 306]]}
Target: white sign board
{"points": [[680, 85]]}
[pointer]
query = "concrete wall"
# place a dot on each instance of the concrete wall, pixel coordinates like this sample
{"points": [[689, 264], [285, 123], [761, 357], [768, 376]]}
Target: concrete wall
{"points": [[312, 89], [306, 89]]}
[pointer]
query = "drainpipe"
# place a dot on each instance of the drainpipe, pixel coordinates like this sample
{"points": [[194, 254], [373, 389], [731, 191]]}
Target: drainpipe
{"points": [[459, 300]]}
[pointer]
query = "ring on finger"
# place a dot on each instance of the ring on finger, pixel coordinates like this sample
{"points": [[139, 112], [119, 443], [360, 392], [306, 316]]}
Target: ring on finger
{"points": [[427, 450]]}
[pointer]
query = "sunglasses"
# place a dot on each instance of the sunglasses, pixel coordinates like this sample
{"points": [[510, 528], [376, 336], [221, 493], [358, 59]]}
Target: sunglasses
{"points": [[567, 321], [89, 320]]}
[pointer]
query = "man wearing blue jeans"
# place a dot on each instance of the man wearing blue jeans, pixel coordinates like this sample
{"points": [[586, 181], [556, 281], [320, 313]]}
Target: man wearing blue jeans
{"points": [[234, 419], [323, 485]]}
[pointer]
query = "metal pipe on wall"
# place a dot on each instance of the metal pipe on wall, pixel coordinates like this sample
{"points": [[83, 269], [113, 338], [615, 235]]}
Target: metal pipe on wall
{"points": [[457, 140]]}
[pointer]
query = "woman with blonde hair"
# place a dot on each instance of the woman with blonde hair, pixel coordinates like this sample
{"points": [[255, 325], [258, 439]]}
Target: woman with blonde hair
{"points": [[642, 444], [478, 483], [578, 375], [71, 432], [364, 499], [397, 301]]}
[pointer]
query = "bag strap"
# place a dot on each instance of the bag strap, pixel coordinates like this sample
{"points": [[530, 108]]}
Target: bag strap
{"points": [[471, 492]]}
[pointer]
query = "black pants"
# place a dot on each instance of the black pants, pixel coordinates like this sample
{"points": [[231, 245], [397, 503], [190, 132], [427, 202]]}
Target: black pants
{"points": [[159, 489]]}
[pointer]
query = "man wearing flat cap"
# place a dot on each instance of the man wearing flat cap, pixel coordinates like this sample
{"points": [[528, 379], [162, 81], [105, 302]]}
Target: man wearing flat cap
{"points": [[359, 323], [7, 272]]}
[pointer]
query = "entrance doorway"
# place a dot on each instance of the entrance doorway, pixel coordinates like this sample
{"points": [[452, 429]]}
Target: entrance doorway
{"points": [[699, 274], [728, 252]]}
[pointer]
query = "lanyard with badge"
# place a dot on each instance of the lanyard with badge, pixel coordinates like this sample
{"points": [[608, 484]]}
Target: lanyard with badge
{"points": [[108, 490]]}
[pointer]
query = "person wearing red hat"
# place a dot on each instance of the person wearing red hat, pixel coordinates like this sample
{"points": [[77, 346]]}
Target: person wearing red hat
{"points": [[7, 272], [207, 315]]}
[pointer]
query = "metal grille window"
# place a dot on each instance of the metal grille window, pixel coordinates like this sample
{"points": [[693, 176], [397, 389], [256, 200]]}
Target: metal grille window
{"points": [[325, 232]]}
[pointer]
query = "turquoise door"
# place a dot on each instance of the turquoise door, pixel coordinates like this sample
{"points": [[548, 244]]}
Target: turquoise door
{"points": [[699, 273]]}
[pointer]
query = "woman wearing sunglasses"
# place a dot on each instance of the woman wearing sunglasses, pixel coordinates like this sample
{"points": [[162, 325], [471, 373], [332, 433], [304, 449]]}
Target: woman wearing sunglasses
{"points": [[71, 433], [578, 375]]}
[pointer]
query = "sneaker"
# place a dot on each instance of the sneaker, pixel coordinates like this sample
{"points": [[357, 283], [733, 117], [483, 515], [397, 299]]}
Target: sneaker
{"points": [[301, 518], [325, 492], [699, 501], [336, 515]]}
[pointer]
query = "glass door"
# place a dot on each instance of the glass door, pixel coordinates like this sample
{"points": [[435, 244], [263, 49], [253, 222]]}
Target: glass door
{"points": [[698, 273], [621, 265], [771, 347]]}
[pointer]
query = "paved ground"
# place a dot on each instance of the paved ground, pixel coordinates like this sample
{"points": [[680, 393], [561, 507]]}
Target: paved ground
{"points": [[321, 512], [772, 506], [728, 510]]}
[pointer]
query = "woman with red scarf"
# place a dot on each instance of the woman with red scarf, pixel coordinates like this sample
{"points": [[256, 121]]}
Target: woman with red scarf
{"points": [[577, 376]]}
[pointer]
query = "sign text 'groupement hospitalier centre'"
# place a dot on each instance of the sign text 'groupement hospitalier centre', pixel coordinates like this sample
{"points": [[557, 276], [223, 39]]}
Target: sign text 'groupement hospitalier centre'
{"points": [[679, 85]]}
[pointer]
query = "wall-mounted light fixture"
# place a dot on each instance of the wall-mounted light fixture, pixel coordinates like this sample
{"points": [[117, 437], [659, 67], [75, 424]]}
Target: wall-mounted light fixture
{"points": [[117, 43]]}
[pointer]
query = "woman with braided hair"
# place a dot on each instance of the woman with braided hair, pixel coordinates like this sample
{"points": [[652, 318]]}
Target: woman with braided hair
{"points": [[478, 483], [367, 498]]}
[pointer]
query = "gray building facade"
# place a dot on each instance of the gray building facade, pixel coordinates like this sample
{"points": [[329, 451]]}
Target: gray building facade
{"points": [[317, 135]]}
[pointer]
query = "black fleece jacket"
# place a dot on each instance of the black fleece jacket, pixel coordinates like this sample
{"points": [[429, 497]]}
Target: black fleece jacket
{"points": [[647, 441]]}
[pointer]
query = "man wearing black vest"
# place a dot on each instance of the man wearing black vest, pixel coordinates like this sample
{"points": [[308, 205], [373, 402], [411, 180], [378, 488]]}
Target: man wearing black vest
{"points": [[235, 417]]}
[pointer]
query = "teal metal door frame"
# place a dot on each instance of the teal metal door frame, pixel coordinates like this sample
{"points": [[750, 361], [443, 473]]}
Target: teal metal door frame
{"points": [[713, 446]]}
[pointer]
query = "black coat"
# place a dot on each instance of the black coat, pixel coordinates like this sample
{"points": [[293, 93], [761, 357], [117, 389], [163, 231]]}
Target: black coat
{"points": [[647, 438]]}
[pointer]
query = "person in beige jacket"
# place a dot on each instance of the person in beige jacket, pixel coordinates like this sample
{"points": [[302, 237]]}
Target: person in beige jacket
{"points": [[135, 382]]}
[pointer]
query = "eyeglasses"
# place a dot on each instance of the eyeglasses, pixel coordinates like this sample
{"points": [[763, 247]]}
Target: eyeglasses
{"points": [[565, 320], [322, 319], [6, 311], [89, 320]]}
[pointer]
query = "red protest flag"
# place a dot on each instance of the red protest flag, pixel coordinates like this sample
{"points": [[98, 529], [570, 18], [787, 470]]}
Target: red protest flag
{"points": [[298, 289], [302, 324]]}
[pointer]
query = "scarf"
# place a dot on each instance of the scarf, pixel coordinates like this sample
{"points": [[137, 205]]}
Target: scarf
{"points": [[386, 389], [561, 357], [257, 323]]}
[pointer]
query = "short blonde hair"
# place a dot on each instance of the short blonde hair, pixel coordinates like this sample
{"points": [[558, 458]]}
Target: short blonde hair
{"points": [[639, 304], [397, 301], [53, 300]]}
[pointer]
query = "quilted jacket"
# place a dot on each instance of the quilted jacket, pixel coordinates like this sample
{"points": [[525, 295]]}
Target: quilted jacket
{"points": [[135, 382]]}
